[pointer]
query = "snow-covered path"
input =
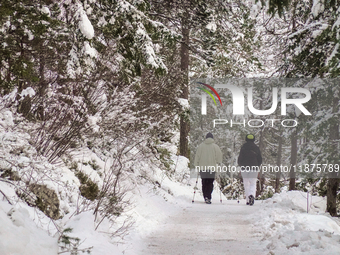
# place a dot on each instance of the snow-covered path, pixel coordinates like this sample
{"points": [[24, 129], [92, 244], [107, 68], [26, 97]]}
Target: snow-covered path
{"points": [[206, 229]]}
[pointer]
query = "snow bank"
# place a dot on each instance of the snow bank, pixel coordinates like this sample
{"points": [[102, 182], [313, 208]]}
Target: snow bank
{"points": [[99, 242], [297, 200], [286, 227], [19, 235]]}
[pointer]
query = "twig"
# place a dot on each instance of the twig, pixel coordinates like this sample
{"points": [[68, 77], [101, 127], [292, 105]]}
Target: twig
{"points": [[6, 197], [82, 250]]}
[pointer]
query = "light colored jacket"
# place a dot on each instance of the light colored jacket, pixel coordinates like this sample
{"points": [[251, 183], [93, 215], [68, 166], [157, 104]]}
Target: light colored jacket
{"points": [[208, 154]]}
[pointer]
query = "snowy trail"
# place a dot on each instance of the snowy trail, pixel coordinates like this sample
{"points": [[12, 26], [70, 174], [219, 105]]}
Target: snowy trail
{"points": [[206, 229]]}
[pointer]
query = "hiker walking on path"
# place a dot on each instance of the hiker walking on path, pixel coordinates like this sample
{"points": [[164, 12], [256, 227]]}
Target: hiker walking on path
{"points": [[207, 156], [250, 160]]}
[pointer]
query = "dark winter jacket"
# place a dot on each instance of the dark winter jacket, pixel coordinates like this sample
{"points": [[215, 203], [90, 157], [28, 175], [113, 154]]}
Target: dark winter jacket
{"points": [[250, 155]]}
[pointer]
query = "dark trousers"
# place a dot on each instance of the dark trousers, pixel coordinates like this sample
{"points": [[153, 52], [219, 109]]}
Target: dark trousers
{"points": [[207, 187]]}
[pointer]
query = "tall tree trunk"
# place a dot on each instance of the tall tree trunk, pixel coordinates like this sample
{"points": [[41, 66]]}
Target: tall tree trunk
{"points": [[293, 150], [333, 177], [260, 183], [278, 163], [25, 104], [293, 160], [42, 85], [184, 121], [42, 82]]}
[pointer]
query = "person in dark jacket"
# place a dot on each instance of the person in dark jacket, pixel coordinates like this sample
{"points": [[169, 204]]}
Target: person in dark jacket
{"points": [[250, 160]]}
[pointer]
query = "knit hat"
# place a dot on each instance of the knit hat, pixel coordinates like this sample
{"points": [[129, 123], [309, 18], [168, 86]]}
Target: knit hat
{"points": [[209, 135], [250, 137]]}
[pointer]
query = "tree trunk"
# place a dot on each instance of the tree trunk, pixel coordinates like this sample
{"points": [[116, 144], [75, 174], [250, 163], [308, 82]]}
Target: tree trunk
{"points": [[278, 163], [332, 188], [293, 160], [184, 120], [260, 183], [25, 104], [333, 181], [40, 112], [42, 83]]}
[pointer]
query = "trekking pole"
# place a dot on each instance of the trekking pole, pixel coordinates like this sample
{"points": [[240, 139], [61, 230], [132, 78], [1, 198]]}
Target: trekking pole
{"points": [[219, 187], [307, 201], [238, 192], [195, 188], [220, 195], [260, 189]]}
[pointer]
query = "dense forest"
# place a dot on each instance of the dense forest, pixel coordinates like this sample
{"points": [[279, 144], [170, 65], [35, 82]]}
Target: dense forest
{"points": [[119, 78]]}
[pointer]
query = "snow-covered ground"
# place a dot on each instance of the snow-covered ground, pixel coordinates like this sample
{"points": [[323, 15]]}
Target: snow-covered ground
{"points": [[285, 227], [279, 225], [167, 222], [205, 229]]}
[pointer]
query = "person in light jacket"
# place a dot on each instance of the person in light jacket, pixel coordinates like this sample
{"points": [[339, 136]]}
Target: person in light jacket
{"points": [[207, 156]]}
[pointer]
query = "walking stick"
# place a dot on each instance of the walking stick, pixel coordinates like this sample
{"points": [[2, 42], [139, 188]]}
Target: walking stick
{"points": [[195, 188], [238, 193], [218, 185], [220, 195]]}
